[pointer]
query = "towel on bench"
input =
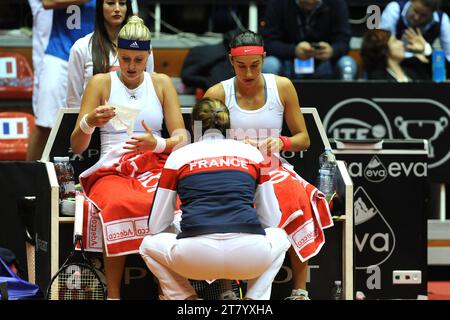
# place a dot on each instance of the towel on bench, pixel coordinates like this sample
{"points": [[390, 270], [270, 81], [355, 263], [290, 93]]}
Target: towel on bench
{"points": [[304, 211], [120, 188]]}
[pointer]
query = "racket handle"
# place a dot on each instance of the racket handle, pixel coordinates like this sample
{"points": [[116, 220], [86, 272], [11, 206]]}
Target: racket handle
{"points": [[79, 206]]}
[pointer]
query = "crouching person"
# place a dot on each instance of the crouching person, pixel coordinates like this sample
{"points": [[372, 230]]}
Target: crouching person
{"points": [[229, 214]]}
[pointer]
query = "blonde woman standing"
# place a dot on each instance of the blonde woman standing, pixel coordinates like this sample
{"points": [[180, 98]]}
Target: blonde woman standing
{"points": [[97, 51]]}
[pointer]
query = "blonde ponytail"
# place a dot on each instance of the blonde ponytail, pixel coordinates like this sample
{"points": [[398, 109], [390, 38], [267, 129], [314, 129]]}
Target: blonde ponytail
{"points": [[135, 29]]}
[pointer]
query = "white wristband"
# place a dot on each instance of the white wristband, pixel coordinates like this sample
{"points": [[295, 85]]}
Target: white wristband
{"points": [[85, 127], [160, 145]]}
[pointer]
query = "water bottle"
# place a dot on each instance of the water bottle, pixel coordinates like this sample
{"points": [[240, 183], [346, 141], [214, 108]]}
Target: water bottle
{"points": [[347, 74], [66, 180], [438, 64], [327, 169], [336, 292], [348, 68]]}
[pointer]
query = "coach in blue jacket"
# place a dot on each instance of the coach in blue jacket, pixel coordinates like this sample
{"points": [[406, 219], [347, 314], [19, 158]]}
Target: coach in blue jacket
{"points": [[303, 29]]}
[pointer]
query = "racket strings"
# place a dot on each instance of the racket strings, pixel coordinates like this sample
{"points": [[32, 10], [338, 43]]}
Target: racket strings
{"points": [[77, 283]]}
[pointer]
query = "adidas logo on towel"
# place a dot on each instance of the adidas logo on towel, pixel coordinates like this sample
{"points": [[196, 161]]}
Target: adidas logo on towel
{"points": [[134, 45]]}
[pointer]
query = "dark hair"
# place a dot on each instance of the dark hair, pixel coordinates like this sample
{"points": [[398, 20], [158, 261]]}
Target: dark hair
{"points": [[213, 114], [101, 44], [246, 38], [433, 5], [229, 35], [375, 49]]}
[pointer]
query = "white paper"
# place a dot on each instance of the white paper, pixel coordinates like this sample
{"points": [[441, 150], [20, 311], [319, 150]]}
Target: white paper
{"points": [[125, 118]]}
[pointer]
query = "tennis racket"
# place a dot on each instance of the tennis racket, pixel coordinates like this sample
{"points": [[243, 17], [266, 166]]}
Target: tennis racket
{"points": [[77, 279], [220, 289]]}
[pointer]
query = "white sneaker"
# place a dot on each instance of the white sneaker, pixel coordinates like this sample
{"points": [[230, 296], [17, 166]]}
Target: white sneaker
{"points": [[298, 294]]}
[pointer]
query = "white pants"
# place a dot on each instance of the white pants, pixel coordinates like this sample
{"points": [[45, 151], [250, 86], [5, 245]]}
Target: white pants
{"points": [[52, 90], [238, 256], [42, 26]]}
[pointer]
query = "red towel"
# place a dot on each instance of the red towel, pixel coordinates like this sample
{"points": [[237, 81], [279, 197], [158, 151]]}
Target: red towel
{"points": [[123, 193], [304, 211]]}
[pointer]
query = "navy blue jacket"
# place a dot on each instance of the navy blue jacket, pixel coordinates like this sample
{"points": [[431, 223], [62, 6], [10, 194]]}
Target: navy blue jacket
{"points": [[284, 26]]}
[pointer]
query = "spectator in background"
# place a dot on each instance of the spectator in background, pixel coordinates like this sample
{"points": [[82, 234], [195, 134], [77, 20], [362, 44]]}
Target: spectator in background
{"points": [[72, 19], [418, 23], [207, 65], [314, 31], [42, 24], [97, 51], [382, 54]]}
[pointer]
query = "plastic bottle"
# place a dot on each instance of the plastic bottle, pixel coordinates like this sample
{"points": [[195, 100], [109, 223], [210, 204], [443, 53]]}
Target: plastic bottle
{"points": [[347, 73], [348, 70], [327, 169], [336, 293], [66, 180], [438, 66]]}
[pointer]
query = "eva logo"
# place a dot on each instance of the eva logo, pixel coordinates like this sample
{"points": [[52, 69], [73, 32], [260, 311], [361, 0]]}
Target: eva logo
{"points": [[375, 171], [374, 237], [134, 45]]}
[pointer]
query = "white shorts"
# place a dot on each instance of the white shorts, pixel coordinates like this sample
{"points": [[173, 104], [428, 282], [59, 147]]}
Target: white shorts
{"points": [[52, 90], [215, 256]]}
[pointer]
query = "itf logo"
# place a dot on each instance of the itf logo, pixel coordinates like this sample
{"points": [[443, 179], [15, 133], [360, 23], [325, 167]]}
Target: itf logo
{"points": [[13, 128], [368, 122], [393, 118]]}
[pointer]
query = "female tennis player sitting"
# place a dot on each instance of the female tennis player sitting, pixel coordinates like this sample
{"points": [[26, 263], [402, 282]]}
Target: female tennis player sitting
{"points": [[129, 106], [229, 214]]}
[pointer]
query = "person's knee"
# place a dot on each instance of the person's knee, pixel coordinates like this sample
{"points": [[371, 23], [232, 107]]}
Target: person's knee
{"points": [[157, 243], [146, 245], [279, 237], [272, 65]]}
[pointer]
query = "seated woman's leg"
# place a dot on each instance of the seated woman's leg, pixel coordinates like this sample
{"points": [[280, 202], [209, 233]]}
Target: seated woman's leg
{"points": [[114, 267], [299, 276]]}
